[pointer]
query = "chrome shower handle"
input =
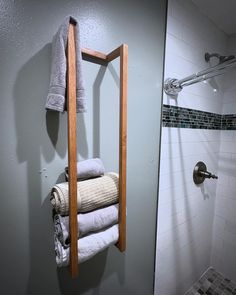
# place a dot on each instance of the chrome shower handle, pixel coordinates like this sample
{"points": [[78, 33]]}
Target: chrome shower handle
{"points": [[200, 173], [207, 174]]}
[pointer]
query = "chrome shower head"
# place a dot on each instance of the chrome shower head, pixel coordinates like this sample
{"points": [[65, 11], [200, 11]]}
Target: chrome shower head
{"points": [[222, 58]]}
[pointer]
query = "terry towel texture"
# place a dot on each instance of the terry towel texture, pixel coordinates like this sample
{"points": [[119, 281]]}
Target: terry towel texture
{"points": [[87, 222], [88, 169], [91, 194], [88, 246], [57, 91]]}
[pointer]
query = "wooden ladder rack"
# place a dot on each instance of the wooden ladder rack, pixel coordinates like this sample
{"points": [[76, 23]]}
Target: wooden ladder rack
{"points": [[100, 58]]}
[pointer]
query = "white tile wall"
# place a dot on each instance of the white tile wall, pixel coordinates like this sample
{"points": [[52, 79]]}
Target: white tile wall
{"points": [[189, 36], [224, 233], [229, 102], [186, 211]]}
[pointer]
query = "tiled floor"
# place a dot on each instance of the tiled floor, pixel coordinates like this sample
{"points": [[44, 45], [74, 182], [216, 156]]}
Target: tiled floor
{"points": [[213, 283]]}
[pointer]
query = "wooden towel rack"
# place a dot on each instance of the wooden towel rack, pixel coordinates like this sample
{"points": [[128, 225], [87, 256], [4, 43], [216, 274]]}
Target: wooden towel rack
{"points": [[100, 58]]}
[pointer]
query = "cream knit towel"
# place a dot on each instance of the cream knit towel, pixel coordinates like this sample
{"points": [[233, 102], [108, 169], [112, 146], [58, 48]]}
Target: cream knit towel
{"points": [[91, 194]]}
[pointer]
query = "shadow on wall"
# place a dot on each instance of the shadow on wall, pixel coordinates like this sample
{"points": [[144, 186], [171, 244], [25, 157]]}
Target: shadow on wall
{"points": [[204, 192], [43, 134], [30, 91], [29, 96], [93, 271], [96, 111]]}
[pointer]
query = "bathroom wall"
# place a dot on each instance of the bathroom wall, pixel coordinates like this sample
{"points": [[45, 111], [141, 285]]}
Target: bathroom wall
{"points": [[224, 234], [33, 149], [186, 211]]}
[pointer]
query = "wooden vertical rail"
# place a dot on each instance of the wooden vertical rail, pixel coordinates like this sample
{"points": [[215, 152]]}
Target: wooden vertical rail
{"points": [[72, 150], [121, 51], [123, 146]]}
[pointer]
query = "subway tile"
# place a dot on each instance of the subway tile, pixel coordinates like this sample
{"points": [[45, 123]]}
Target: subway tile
{"points": [[228, 147], [230, 107], [222, 179], [230, 235], [234, 135], [174, 28], [171, 194], [219, 227], [230, 93], [217, 244], [226, 135], [183, 67], [176, 46]]}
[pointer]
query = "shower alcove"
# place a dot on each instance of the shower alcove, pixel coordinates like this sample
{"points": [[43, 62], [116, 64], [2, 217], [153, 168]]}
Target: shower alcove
{"points": [[196, 229]]}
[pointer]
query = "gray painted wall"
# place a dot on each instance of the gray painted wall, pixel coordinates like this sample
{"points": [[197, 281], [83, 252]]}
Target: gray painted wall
{"points": [[33, 149]]}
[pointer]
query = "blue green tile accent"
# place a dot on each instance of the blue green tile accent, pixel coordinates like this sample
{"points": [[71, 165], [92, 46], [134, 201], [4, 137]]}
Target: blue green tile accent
{"points": [[173, 116], [228, 122], [212, 283]]}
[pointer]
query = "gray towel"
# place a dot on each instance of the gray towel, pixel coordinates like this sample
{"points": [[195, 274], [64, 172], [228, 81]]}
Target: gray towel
{"points": [[57, 91], [87, 222], [88, 169], [88, 246]]}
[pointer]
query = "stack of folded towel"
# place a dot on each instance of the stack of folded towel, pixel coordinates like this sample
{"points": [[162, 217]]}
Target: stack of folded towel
{"points": [[97, 197]]}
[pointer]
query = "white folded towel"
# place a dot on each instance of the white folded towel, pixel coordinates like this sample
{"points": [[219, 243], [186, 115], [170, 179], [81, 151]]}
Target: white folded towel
{"points": [[91, 194], [88, 169], [88, 246], [87, 222]]}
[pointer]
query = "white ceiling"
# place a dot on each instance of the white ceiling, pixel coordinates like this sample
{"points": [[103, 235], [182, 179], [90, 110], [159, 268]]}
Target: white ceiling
{"points": [[221, 12]]}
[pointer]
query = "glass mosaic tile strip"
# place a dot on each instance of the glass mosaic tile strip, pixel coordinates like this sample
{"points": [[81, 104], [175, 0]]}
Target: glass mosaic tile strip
{"points": [[173, 116]]}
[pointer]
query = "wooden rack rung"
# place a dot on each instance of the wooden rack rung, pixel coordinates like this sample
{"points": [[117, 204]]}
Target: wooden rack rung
{"points": [[88, 53], [96, 57], [115, 53]]}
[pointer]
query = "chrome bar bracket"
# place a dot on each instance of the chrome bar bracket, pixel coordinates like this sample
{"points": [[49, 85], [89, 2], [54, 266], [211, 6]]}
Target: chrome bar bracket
{"points": [[171, 88]]}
